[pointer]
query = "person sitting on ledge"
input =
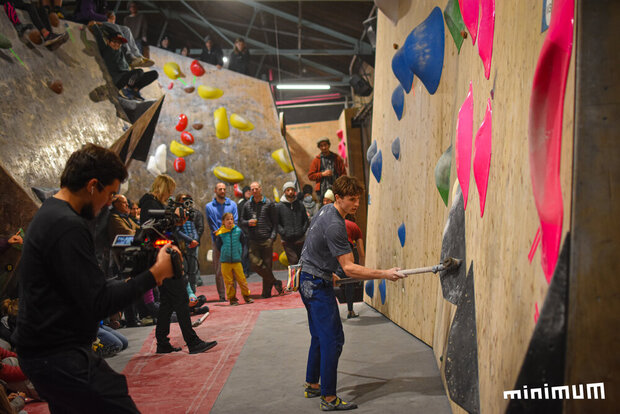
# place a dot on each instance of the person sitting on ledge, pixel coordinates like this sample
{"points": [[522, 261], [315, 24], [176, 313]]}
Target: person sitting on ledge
{"points": [[128, 81]]}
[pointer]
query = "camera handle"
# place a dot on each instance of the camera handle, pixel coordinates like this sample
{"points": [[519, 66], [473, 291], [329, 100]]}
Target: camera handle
{"points": [[177, 265]]}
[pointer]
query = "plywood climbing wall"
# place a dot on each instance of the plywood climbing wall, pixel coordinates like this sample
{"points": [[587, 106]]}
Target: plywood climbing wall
{"points": [[507, 286]]}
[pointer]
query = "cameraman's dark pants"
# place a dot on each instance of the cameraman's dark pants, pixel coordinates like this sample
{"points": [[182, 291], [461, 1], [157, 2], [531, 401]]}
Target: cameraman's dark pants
{"points": [[78, 381], [173, 297]]}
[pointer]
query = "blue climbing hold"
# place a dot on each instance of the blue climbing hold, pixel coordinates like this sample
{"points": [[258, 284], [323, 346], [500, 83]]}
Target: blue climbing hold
{"points": [[424, 50], [382, 291], [402, 234], [371, 151], [401, 69], [376, 165], [398, 101], [396, 148], [370, 288]]}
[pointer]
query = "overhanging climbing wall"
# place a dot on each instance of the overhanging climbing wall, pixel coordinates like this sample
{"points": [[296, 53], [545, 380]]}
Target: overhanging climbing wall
{"points": [[506, 290], [247, 151]]}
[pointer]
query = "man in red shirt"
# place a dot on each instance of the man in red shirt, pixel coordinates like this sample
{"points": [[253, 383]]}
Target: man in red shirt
{"points": [[325, 168]]}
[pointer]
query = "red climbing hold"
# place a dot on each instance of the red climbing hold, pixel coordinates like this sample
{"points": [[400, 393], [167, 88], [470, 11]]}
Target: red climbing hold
{"points": [[179, 164], [187, 138], [238, 192], [182, 123], [275, 256], [197, 68]]}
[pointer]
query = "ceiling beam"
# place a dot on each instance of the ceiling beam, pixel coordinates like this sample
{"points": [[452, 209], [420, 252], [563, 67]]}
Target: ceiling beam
{"points": [[191, 19], [209, 24], [308, 24]]}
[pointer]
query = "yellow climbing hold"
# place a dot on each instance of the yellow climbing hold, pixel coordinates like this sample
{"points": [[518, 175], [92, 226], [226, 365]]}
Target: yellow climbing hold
{"points": [[282, 159], [222, 130], [180, 150], [228, 174], [173, 71], [240, 123], [283, 259], [207, 92], [276, 196]]}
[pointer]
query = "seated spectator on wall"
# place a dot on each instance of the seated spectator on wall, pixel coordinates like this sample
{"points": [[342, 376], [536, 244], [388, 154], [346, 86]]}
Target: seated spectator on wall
{"points": [[130, 49], [138, 25], [40, 20], [212, 53], [240, 58], [128, 81], [87, 10]]}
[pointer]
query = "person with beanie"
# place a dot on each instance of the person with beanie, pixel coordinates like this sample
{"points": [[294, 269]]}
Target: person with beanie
{"points": [[325, 168], [292, 223]]}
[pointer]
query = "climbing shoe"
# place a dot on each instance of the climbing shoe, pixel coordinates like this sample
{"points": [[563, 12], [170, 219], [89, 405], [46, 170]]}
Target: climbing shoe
{"points": [[337, 405], [310, 392]]}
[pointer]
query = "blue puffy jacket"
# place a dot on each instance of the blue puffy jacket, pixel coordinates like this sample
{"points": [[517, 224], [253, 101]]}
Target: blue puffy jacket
{"points": [[230, 244]]}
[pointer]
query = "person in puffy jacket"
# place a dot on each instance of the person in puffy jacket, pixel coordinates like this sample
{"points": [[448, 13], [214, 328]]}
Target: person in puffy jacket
{"points": [[229, 242]]}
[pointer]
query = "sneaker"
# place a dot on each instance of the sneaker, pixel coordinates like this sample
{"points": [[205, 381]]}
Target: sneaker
{"points": [[310, 392], [147, 321], [141, 62], [337, 405], [352, 314], [248, 299], [201, 346], [127, 93], [54, 41], [234, 303], [137, 96], [166, 348], [51, 39]]}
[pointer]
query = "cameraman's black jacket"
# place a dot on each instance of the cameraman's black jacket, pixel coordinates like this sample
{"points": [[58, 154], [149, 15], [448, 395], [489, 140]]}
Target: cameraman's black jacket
{"points": [[63, 293], [292, 220], [264, 211]]}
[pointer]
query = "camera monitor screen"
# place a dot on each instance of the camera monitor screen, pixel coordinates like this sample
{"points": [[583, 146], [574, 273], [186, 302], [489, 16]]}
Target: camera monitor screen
{"points": [[122, 240]]}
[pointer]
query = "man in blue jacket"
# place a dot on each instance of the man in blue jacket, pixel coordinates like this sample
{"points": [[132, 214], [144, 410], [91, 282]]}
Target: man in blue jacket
{"points": [[214, 212]]}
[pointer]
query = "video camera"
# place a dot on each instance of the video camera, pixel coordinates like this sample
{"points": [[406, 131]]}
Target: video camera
{"points": [[140, 251]]}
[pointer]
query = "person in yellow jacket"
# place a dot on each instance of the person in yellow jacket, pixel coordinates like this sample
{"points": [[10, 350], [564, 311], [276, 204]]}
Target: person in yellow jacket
{"points": [[229, 242]]}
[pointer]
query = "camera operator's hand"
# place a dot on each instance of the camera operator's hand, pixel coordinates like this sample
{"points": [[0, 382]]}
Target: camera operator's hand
{"points": [[193, 244], [162, 269]]}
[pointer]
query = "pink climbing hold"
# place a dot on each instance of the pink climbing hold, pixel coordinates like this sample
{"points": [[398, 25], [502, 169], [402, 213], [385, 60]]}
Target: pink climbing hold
{"points": [[171, 85], [482, 157], [469, 11], [545, 129], [464, 133], [342, 149], [485, 34]]}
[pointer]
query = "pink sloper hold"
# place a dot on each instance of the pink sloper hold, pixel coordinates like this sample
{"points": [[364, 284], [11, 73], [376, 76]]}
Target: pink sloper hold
{"points": [[464, 133], [545, 129], [485, 34], [482, 157], [469, 11]]}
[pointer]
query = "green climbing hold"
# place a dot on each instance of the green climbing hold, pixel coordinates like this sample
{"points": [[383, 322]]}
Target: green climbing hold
{"points": [[454, 20], [442, 174], [5, 43]]}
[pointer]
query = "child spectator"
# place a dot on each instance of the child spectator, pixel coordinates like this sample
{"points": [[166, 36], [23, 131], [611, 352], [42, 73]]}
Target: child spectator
{"points": [[229, 242], [129, 82]]}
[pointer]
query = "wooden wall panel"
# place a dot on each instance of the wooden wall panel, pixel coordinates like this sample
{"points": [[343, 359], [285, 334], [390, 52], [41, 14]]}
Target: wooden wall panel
{"points": [[301, 139], [507, 286]]}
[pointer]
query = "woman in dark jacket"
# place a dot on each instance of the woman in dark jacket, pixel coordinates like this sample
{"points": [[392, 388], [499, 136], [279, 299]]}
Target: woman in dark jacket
{"points": [[240, 58]]}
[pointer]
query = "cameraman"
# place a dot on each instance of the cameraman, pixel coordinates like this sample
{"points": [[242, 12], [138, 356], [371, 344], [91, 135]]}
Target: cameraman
{"points": [[173, 293], [63, 292]]}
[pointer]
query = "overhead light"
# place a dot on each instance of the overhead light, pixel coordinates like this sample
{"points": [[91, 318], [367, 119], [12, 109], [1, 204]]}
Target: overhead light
{"points": [[305, 86]]}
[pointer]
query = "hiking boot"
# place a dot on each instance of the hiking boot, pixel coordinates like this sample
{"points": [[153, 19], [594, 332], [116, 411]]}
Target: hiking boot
{"points": [[248, 299], [166, 348], [310, 392], [352, 314], [201, 346], [336, 405]]}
